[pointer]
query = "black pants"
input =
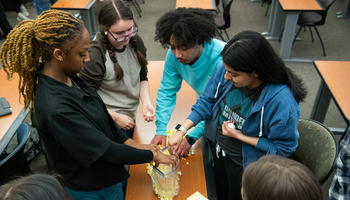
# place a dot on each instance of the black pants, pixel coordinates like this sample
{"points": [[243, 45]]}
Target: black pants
{"points": [[228, 177], [4, 24]]}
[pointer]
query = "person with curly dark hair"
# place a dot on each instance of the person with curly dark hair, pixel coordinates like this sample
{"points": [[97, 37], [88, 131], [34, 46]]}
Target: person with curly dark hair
{"points": [[193, 55]]}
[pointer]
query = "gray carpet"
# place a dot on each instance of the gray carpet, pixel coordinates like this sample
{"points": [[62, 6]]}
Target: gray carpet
{"points": [[247, 15]]}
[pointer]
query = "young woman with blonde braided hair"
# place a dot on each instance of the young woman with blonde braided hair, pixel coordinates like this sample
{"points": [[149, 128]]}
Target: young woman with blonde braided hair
{"points": [[79, 136], [118, 67]]}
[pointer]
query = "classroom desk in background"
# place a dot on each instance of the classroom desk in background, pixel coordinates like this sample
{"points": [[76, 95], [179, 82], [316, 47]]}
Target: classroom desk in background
{"points": [[274, 29], [10, 123], [86, 8], [204, 4], [193, 176], [334, 85]]}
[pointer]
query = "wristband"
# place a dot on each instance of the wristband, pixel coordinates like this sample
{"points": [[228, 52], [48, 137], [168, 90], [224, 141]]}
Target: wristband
{"points": [[179, 127], [190, 140]]}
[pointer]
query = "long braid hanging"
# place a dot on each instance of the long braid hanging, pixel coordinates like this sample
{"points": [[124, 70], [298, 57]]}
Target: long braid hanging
{"points": [[119, 73], [21, 51]]}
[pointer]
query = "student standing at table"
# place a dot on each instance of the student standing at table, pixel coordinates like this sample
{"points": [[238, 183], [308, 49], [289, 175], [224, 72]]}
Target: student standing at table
{"points": [[275, 177], [80, 139], [255, 91], [193, 55], [118, 67], [340, 187]]}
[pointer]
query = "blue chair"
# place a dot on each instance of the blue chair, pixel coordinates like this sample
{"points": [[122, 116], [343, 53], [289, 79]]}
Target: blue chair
{"points": [[15, 163]]}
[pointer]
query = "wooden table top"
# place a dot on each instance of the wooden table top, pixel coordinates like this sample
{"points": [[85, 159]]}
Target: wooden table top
{"points": [[204, 4], [300, 5], [9, 90], [336, 75], [193, 177], [69, 4]]}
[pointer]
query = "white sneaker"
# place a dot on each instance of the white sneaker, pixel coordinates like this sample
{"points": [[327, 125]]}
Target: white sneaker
{"points": [[21, 18], [24, 10]]}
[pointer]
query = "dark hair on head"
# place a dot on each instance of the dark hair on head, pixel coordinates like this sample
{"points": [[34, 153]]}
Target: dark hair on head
{"points": [[274, 177], [188, 26], [32, 39], [248, 51], [34, 187], [110, 12]]}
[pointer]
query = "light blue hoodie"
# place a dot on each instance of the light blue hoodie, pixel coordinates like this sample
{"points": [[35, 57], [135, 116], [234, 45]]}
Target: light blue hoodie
{"points": [[273, 118], [196, 75]]}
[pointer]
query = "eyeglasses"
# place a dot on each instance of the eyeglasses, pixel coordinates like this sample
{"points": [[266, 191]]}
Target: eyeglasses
{"points": [[122, 38]]}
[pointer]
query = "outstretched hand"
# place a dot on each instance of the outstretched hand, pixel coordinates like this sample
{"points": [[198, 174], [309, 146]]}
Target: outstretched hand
{"points": [[175, 141], [159, 139]]}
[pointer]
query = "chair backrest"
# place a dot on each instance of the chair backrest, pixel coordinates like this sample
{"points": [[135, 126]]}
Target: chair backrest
{"points": [[15, 162], [326, 4], [317, 148], [226, 5]]}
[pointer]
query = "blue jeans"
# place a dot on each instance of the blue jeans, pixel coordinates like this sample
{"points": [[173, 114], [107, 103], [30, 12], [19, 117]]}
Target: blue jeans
{"points": [[43, 5], [114, 192]]}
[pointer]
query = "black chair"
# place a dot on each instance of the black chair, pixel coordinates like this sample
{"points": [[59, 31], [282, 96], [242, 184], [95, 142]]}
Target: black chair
{"points": [[317, 148], [224, 21], [136, 5], [313, 19], [15, 163]]}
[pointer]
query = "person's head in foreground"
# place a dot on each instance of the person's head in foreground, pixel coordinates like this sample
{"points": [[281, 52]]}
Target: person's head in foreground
{"points": [[34, 187], [279, 178], [185, 30]]}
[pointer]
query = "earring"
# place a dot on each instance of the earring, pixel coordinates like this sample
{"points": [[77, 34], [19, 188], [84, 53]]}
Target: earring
{"points": [[61, 59], [105, 32]]}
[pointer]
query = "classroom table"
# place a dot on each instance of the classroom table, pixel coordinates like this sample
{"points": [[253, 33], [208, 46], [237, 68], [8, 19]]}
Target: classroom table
{"points": [[193, 176], [10, 123], [334, 85], [293, 9], [204, 4], [86, 8]]}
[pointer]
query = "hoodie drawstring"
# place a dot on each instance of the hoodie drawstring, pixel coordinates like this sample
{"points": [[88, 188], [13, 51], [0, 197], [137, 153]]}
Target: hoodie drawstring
{"points": [[261, 121], [217, 90]]}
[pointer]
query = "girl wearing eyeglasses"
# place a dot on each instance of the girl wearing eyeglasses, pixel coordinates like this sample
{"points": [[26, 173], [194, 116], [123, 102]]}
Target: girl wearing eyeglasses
{"points": [[118, 66]]}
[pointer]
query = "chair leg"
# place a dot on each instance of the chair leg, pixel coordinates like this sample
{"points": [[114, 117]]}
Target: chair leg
{"points": [[297, 34], [312, 37], [136, 7], [220, 35], [324, 52], [267, 9], [226, 34]]}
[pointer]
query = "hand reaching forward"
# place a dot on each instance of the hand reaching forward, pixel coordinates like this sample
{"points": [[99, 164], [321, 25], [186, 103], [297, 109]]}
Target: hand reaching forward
{"points": [[175, 141], [160, 158], [159, 139], [184, 148]]}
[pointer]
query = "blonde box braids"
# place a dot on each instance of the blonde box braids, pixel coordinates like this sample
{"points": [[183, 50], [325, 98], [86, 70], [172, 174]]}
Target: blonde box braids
{"points": [[31, 40]]}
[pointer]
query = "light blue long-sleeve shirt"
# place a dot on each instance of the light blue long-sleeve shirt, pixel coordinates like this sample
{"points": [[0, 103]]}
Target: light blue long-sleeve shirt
{"points": [[197, 77]]}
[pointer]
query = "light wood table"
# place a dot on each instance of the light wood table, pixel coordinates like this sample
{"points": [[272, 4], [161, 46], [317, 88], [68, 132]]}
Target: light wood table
{"points": [[275, 25], [204, 4], [334, 85], [193, 176], [86, 8], [10, 123]]}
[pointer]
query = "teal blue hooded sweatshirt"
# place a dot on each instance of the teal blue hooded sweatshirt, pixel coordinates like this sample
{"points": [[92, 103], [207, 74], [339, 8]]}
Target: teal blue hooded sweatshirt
{"points": [[273, 118]]}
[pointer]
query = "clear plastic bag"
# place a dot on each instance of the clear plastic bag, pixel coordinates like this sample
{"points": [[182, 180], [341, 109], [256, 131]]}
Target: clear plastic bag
{"points": [[165, 179]]}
